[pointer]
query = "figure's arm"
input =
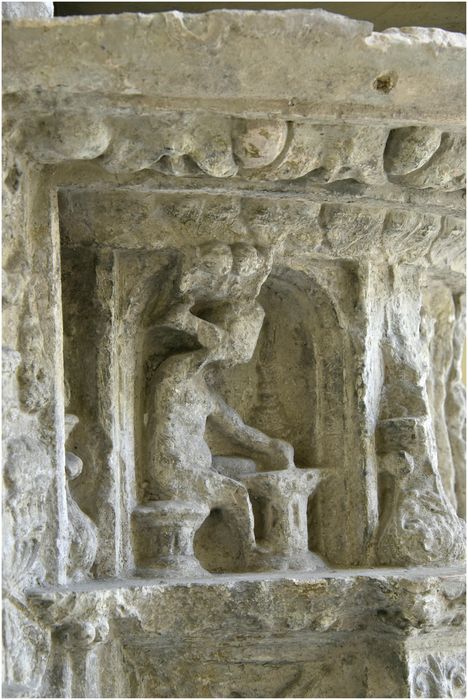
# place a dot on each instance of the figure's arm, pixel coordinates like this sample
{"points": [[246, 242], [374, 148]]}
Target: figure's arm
{"points": [[181, 318], [274, 454]]}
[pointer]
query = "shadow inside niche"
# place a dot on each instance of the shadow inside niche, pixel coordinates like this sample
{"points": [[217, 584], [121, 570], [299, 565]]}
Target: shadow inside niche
{"points": [[217, 544]]}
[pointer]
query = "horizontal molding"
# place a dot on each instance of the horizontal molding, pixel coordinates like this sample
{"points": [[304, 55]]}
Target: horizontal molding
{"points": [[297, 57]]}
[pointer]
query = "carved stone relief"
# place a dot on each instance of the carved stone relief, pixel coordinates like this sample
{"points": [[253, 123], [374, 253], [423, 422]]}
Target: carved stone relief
{"points": [[438, 676], [184, 144], [218, 313], [419, 523], [233, 328], [82, 531]]}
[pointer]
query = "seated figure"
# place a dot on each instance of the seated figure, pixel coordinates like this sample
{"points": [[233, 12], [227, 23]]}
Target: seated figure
{"points": [[220, 285]]}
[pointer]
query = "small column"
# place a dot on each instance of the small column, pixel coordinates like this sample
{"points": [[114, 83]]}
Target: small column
{"points": [[74, 664], [164, 532]]}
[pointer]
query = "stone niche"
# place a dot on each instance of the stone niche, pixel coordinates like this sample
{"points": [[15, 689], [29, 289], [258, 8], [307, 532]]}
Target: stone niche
{"points": [[233, 297]]}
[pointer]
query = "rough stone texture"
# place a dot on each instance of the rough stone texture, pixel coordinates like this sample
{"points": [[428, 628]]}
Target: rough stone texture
{"points": [[18, 10], [233, 329]]}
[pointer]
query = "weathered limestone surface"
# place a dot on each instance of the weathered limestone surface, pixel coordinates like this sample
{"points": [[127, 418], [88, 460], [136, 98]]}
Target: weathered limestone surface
{"points": [[233, 302], [18, 10]]}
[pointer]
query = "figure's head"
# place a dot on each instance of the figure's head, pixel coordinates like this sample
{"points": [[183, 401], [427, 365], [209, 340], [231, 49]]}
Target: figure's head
{"points": [[219, 271], [246, 260], [205, 270]]}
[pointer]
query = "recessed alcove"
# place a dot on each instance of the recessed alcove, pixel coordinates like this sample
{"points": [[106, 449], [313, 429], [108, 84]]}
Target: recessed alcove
{"points": [[217, 543], [292, 388], [294, 382]]}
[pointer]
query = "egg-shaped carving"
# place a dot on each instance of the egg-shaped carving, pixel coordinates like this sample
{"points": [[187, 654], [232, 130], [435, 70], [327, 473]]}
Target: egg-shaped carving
{"points": [[409, 148], [257, 143]]}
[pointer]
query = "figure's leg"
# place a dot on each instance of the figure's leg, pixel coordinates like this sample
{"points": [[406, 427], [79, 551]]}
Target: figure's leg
{"points": [[180, 499], [210, 489], [233, 498]]}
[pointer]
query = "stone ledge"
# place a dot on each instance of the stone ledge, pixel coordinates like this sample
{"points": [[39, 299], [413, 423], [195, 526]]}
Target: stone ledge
{"points": [[349, 633], [359, 73], [401, 600]]}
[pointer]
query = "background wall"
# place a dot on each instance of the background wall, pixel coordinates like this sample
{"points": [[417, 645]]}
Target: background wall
{"points": [[446, 15]]}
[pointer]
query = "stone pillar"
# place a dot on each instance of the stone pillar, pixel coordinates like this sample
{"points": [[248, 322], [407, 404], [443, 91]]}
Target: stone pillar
{"points": [[73, 664]]}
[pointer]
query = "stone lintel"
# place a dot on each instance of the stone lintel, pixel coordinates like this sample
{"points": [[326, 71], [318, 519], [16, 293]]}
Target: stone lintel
{"points": [[293, 64]]}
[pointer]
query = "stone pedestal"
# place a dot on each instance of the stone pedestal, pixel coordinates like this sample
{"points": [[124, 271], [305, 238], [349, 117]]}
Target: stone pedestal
{"points": [[280, 501], [164, 533]]}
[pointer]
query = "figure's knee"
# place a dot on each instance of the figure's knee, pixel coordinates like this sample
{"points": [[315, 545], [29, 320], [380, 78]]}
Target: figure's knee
{"points": [[210, 488], [230, 494]]}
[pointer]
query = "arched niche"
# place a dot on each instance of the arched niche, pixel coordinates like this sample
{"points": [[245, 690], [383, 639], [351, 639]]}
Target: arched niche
{"points": [[292, 388]]}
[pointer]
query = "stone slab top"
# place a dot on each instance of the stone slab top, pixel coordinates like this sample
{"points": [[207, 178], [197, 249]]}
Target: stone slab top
{"points": [[293, 63], [395, 574], [398, 601]]}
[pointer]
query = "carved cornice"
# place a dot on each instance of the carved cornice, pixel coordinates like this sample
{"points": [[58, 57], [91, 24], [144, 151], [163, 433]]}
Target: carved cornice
{"points": [[189, 143], [271, 96], [334, 229]]}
